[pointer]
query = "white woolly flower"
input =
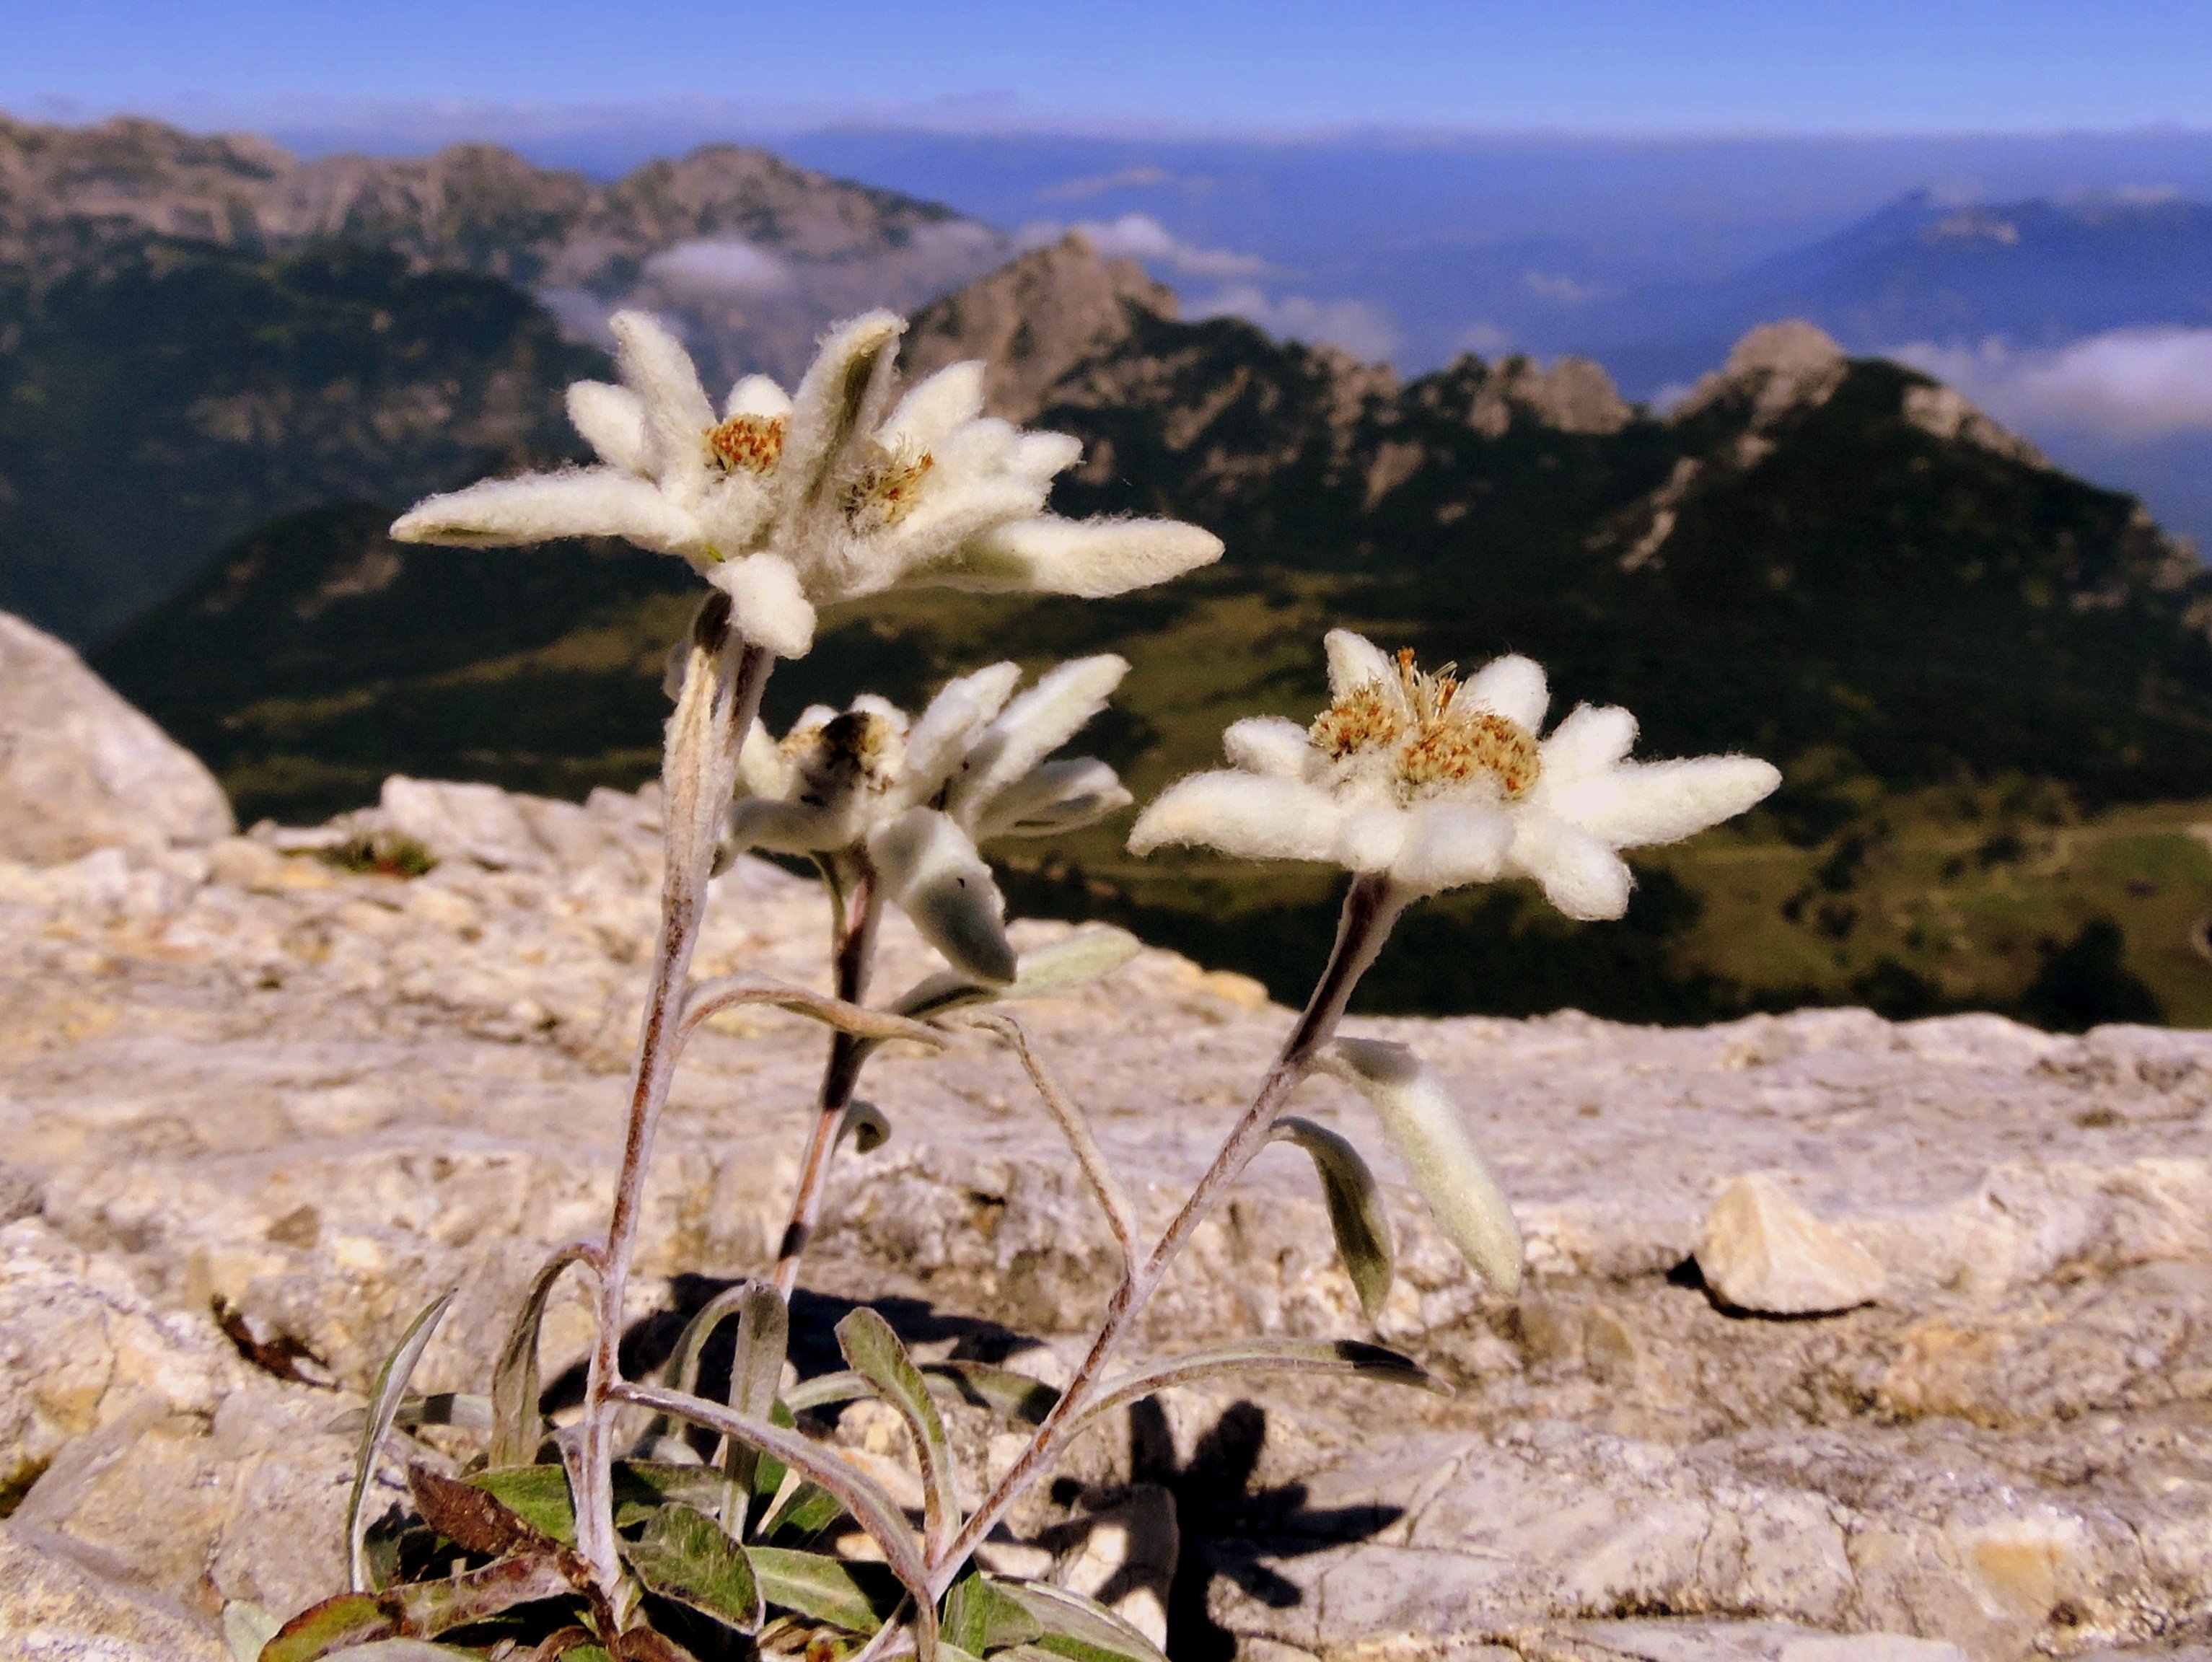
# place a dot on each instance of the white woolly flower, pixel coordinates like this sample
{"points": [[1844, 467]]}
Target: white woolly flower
{"points": [[919, 796], [791, 501], [1439, 783]]}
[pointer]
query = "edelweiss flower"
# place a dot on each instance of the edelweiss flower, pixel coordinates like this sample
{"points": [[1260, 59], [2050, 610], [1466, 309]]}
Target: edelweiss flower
{"points": [[918, 797], [1440, 783], [791, 501]]}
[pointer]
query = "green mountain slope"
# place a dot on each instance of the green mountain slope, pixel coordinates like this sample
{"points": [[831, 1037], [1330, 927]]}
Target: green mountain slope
{"points": [[173, 396]]}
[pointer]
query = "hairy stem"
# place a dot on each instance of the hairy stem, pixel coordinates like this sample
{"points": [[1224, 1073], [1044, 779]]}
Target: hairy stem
{"points": [[722, 684], [1104, 1188], [1369, 908], [857, 900]]}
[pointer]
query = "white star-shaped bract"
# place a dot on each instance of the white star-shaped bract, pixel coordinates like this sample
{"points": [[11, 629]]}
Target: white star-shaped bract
{"points": [[1438, 784], [789, 502], [917, 797]]}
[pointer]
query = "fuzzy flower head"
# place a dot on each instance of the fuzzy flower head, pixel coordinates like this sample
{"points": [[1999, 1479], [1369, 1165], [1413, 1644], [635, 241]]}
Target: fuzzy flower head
{"points": [[790, 501], [916, 798], [1439, 783]]}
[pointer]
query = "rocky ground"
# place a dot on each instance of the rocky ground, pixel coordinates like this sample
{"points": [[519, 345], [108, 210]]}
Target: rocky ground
{"points": [[1841, 1339]]}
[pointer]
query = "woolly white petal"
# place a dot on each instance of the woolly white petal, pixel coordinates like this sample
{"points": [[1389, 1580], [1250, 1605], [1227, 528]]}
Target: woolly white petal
{"points": [[940, 739], [1654, 802], [1268, 745], [1588, 743], [1032, 727], [932, 408], [762, 769], [1580, 875], [786, 828], [1092, 558], [772, 610], [611, 421], [839, 402], [1040, 456], [1060, 796], [931, 872], [1512, 686], [1354, 662], [1451, 845], [757, 395], [539, 507], [1370, 839], [1259, 819], [659, 371], [951, 510], [1423, 1126]]}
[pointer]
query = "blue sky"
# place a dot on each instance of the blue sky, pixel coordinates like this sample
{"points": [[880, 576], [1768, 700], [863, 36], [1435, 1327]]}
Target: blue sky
{"points": [[1221, 65]]}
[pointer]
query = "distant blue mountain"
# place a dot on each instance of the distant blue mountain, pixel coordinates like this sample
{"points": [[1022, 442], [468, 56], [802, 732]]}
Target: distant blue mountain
{"points": [[2034, 274]]}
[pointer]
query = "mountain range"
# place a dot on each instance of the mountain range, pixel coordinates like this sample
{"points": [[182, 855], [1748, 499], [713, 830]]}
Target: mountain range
{"points": [[1988, 682]]}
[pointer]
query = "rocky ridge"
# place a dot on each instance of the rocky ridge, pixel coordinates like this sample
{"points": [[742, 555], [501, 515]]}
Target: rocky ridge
{"points": [[260, 1099]]}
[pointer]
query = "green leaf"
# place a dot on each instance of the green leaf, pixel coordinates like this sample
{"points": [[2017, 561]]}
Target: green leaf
{"points": [[981, 1617], [517, 1427], [809, 1511], [1344, 1357], [539, 1494], [1425, 1126], [873, 1510], [1078, 1628], [865, 1123], [1355, 1209], [1000, 1389], [351, 1618], [686, 1555], [876, 1354], [858, 1598], [427, 1608], [384, 1398]]}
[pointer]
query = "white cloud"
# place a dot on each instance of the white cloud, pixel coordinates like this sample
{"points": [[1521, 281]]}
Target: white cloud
{"points": [[1559, 288], [1364, 330], [2136, 383], [713, 267], [582, 315], [1141, 237], [1484, 339]]}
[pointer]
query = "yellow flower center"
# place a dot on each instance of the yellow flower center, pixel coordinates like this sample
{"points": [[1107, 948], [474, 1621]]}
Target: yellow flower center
{"points": [[1437, 747], [753, 443], [886, 493]]}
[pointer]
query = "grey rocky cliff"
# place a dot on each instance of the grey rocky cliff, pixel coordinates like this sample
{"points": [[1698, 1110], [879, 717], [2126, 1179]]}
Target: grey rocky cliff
{"points": [[246, 1080]]}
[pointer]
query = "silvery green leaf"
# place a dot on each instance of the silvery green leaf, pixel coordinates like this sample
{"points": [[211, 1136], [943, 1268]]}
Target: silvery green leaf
{"points": [[427, 1608], [348, 1620], [1001, 1390], [931, 872], [729, 991], [686, 1555], [1088, 954], [756, 1370], [516, 1427], [856, 1597], [873, 1510], [1355, 1209], [1424, 1127], [384, 1398], [876, 1353], [246, 1627], [1346, 1356], [867, 1126], [1075, 1627]]}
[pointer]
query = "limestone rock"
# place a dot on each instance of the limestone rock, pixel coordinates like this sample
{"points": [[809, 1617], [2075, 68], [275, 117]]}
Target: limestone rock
{"points": [[1762, 1251], [80, 770], [1124, 1555], [55, 1608]]}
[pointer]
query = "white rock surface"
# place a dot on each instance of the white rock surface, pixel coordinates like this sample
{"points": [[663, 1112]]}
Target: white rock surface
{"points": [[80, 770], [322, 1095], [1761, 1251]]}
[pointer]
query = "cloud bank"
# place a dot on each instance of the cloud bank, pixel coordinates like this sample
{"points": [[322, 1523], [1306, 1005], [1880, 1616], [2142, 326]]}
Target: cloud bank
{"points": [[2136, 383], [1141, 237], [711, 267], [1366, 332]]}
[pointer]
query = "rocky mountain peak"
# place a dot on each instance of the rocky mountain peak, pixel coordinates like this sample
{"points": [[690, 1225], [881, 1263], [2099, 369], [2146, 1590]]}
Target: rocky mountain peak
{"points": [[1035, 318], [1777, 366]]}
